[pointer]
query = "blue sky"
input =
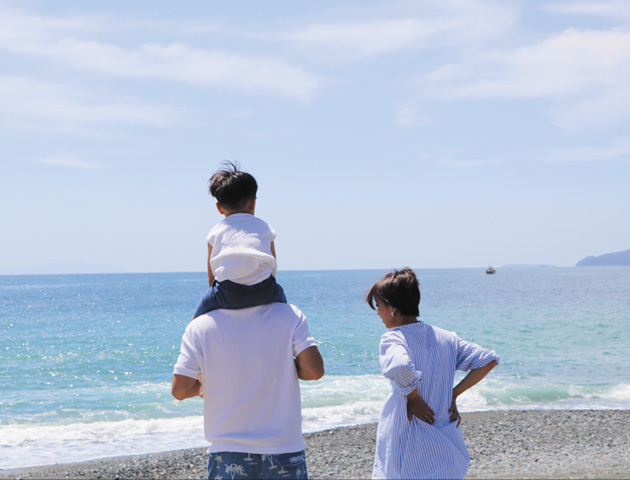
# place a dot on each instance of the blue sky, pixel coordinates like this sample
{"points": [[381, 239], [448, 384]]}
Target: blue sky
{"points": [[382, 133]]}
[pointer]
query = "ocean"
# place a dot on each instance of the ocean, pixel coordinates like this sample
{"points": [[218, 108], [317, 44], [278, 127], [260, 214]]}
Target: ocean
{"points": [[86, 360]]}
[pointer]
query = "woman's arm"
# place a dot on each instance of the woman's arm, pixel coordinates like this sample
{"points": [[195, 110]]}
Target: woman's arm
{"points": [[470, 380], [473, 378], [418, 407], [396, 363]]}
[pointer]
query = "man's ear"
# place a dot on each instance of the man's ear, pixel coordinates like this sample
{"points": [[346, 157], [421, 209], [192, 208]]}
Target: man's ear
{"points": [[220, 209]]}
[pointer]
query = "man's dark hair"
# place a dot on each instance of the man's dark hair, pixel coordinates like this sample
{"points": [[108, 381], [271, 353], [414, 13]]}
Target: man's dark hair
{"points": [[232, 188], [400, 289]]}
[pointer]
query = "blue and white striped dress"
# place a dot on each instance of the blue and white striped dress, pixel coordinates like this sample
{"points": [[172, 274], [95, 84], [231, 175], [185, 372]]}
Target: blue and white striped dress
{"points": [[421, 356]]}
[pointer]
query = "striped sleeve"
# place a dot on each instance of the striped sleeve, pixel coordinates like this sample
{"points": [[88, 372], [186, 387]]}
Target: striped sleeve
{"points": [[396, 363], [471, 356]]}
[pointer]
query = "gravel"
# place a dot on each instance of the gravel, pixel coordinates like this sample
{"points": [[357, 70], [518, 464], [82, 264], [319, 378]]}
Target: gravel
{"points": [[510, 444]]}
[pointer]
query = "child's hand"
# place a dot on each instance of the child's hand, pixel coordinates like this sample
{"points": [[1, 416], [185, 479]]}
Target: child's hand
{"points": [[418, 407], [454, 412]]}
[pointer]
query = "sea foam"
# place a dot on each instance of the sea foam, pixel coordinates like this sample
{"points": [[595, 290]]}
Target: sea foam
{"points": [[334, 401]]}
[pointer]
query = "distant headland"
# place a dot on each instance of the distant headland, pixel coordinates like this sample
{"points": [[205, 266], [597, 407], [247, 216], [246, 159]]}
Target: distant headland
{"points": [[615, 259]]}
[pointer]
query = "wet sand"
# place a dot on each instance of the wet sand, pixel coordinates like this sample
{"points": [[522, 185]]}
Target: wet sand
{"points": [[511, 444]]}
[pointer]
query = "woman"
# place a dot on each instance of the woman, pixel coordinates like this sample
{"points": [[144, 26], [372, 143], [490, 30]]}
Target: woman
{"points": [[418, 433]]}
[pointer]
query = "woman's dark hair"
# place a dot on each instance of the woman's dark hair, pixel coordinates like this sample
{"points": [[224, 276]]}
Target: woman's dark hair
{"points": [[400, 289], [232, 188]]}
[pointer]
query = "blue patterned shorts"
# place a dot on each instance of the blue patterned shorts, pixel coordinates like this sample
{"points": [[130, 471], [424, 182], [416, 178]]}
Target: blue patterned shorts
{"points": [[233, 465]]}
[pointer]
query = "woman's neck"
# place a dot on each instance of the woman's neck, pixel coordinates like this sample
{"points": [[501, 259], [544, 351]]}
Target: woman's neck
{"points": [[408, 319]]}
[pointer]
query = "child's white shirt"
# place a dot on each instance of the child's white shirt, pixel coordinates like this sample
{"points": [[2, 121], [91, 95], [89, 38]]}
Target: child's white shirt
{"points": [[241, 249]]}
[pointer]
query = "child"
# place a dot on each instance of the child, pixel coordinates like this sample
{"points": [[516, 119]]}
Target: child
{"points": [[241, 252], [418, 434]]}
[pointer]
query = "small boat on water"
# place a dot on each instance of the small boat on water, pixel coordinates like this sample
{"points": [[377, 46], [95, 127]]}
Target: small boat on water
{"points": [[490, 271]]}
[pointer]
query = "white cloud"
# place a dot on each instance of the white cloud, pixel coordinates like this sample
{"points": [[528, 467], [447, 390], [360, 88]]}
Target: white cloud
{"points": [[226, 69], [461, 163], [569, 63], [600, 111], [65, 42], [584, 75], [616, 9], [68, 160], [367, 38], [22, 27], [409, 114], [616, 151], [182, 63], [424, 25], [30, 101], [243, 113]]}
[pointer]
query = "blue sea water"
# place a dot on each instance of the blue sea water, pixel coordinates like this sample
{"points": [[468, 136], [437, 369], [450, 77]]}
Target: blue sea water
{"points": [[86, 360]]}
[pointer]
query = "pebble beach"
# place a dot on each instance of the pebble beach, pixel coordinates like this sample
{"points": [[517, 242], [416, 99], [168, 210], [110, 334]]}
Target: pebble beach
{"points": [[502, 444]]}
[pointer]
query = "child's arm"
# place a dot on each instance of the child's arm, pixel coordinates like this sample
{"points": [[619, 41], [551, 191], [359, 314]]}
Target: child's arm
{"points": [[470, 380], [210, 274], [273, 250]]}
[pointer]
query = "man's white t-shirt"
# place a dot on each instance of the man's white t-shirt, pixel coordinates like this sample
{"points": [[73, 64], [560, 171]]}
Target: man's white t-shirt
{"points": [[241, 249], [250, 385]]}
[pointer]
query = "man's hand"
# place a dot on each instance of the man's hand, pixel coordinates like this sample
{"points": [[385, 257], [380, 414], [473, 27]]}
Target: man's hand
{"points": [[185, 387], [418, 407]]}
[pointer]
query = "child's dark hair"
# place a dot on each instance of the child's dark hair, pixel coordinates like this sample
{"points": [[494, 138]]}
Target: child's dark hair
{"points": [[232, 188], [400, 289]]}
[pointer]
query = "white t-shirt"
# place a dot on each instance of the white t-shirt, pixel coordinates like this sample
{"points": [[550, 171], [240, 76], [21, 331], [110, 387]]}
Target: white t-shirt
{"points": [[250, 384], [241, 249]]}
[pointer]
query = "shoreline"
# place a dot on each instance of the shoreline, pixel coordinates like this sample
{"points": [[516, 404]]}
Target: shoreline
{"points": [[502, 444]]}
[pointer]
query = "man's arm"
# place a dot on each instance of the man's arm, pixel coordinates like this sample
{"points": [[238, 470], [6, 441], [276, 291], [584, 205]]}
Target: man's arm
{"points": [[185, 387], [310, 364]]}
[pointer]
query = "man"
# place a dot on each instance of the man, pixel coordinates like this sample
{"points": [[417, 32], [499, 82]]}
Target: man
{"points": [[249, 361]]}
